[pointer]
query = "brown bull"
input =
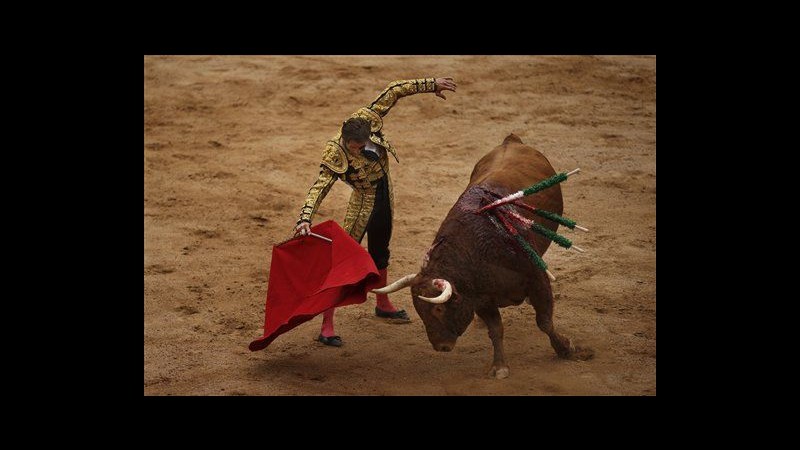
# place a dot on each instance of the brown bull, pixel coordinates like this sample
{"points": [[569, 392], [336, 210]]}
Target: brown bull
{"points": [[473, 268]]}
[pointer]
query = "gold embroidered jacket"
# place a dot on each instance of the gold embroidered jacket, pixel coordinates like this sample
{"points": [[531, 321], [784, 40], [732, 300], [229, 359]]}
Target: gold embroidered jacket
{"points": [[363, 174]]}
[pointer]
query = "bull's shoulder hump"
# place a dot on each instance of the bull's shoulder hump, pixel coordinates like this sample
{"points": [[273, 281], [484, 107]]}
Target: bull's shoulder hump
{"points": [[512, 138], [514, 153]]}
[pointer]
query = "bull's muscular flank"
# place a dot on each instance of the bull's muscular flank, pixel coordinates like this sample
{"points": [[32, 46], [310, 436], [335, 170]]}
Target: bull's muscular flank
{"points": [[472, 269]]}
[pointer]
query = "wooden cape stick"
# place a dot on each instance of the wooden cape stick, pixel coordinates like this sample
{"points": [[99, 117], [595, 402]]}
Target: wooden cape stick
{"points": [[321, 237]]}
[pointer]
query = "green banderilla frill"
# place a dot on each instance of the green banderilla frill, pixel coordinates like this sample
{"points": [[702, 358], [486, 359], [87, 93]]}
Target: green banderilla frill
{"points": [[523, 243], [556, 218], [531, 252], [552, 235], [544, 184]]}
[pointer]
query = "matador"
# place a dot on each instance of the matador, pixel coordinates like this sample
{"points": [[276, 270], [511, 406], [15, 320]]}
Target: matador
{"points": [[359, 155]]}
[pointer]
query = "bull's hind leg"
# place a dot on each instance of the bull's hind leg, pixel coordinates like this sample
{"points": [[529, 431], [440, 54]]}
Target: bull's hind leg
{"points": [[491, 316], [541, 297]]}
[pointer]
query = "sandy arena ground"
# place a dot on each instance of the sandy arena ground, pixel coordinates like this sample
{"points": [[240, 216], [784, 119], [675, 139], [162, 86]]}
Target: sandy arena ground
{"points": [[232, 144]]}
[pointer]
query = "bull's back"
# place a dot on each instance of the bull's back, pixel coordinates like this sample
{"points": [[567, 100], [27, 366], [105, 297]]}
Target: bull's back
{"points": [[513, 166]]}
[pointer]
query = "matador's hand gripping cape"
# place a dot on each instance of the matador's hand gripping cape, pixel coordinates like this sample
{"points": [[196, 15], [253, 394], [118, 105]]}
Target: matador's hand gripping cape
{"points": [[358, 172]]}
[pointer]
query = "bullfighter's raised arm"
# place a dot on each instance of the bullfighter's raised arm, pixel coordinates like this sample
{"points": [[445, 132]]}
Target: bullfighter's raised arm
{"points": [[401, 88]]}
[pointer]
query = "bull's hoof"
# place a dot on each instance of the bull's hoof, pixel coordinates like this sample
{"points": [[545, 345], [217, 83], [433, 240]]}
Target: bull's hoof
{"points": [[499, 372], [581, 354], [577, 353]]}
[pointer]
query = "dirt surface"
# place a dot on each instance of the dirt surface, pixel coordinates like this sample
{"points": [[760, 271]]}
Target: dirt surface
{"points": [[232, 144]]}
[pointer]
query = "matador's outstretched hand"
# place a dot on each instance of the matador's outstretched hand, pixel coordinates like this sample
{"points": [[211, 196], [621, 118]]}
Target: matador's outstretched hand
{"points": [[444, 84], [302, 228]]}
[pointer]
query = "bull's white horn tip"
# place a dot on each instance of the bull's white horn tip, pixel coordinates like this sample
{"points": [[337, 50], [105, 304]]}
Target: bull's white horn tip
{"points": [[444, 296]]}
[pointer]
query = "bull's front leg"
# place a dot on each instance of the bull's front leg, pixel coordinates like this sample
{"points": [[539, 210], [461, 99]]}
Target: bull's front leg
{"points": [[491, 316]]}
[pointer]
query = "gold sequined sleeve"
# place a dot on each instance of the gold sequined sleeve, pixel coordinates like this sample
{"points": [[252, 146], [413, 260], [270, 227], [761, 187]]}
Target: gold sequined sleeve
{"points": [[398, 89], [317, 193]]}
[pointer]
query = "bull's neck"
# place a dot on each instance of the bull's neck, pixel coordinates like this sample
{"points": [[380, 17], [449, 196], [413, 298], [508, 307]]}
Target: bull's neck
{"points": [[459, 237]]}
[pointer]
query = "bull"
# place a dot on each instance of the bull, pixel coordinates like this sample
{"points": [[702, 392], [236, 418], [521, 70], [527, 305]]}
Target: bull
{"points": [[473, 269]]}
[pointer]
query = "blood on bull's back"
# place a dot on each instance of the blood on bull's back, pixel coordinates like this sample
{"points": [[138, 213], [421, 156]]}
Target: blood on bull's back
{"points": [[512, 166]]}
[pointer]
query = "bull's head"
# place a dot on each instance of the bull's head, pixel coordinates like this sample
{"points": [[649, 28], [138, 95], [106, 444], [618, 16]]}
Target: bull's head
{"points": [[439, 305]]}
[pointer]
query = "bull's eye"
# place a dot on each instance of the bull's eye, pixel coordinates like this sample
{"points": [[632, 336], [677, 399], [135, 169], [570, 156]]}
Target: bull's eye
{"points": [[438, 310]]}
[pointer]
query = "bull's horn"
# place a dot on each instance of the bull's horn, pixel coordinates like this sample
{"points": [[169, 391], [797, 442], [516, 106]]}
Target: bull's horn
{"points": [[396, 286], [444, 296]]}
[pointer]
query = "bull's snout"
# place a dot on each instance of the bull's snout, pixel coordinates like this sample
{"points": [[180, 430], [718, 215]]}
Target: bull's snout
{"points": [[443, 347]]}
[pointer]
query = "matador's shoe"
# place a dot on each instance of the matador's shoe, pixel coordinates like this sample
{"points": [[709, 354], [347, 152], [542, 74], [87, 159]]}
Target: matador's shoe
{"points": [[334, 341], [395, 317]]}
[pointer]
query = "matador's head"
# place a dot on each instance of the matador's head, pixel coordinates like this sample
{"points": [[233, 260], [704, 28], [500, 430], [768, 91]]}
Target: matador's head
{"points": [[355, 133]]}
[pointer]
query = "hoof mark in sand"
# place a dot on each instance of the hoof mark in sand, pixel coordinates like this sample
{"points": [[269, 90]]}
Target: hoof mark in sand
{"points": [[158, 269]]}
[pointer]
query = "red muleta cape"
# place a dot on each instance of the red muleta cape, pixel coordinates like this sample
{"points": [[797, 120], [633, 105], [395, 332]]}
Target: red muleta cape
{"points": [[309, 275]]}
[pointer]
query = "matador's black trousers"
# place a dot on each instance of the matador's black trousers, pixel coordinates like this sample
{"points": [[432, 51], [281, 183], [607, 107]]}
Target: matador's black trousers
{"points": [[379, 227]]}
